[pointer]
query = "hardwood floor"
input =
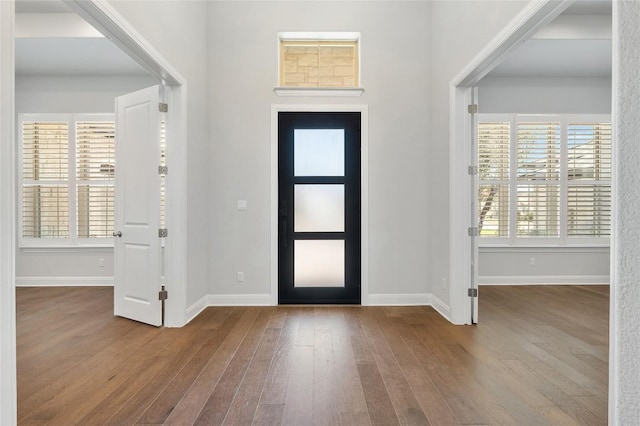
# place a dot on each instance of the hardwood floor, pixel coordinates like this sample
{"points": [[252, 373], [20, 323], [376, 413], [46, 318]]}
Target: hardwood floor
{"points": [[539, 356]]}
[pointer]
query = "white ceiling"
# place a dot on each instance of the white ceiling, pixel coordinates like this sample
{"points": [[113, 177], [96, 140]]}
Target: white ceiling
{"points": [[576, 45], [51, 40], [72, 56]]}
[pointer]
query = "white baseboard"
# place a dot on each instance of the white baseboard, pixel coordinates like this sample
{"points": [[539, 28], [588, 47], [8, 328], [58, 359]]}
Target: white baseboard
{"points": [[64, 281], [545, 280], [195, 309], [384, 299], [442, 308]]}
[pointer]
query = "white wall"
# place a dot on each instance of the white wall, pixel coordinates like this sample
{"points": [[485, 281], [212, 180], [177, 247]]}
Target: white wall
{"points": [[558, 265], [545, 95], [395, 48], [541, 265], [178, 31], [76, 94], [624, 361]]}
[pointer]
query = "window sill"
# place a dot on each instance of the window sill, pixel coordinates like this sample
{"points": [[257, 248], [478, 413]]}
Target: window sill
{"points": [[318, 91]]}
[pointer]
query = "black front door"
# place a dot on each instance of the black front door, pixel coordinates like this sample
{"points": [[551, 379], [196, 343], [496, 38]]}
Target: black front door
{"points": [[319, 207]]}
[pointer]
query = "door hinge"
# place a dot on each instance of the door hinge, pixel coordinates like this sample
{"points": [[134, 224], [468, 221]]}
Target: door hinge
{"points": [[163, 295], [472, 232], [163, 233], [473, 108], [163, 170], [473, 292], [163, 107], [472, 170]]}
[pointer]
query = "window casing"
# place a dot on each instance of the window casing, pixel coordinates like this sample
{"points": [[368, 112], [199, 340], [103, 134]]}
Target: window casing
{"points": [[544, 180], [66, 179]]}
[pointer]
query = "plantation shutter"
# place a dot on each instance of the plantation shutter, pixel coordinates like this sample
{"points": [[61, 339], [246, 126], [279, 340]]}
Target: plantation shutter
{"points": [[45, 175], [589, 179], [95, 168], [493, 176], [538, 179]]}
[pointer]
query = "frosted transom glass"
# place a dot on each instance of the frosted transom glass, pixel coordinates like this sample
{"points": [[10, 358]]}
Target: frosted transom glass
{"points": [[318, 263], [319, 208], [318, 152]]}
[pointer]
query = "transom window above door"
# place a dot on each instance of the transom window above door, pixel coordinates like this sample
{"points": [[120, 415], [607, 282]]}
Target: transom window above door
{"points": [[319, 61]]}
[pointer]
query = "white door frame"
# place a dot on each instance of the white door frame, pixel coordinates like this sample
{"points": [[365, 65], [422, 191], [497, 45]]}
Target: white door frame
{"points": [[533, 17], [104, 17], [364, 189], [8, 392]]}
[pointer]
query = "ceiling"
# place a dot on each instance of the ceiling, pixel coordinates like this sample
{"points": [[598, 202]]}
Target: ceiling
{"points": [[576, 45], [582, 56], [51, 41]]}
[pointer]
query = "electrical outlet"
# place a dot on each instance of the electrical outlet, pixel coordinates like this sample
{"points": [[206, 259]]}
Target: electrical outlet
{"points": [[532, 261], [240, 276], [101, 263]]}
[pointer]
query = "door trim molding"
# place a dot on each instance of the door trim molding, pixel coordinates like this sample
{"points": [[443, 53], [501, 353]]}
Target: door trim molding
{"points": [[364, 189], [8, 389]]}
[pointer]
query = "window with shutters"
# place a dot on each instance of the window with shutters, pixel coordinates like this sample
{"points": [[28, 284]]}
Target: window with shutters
{"points": [[544, 179], [67, 170]]}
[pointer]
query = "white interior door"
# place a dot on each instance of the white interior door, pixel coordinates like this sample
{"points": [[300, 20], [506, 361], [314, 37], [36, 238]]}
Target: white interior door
{"points": [[137, 218]]}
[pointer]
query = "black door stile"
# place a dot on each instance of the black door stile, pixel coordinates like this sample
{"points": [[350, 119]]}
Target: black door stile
{"points": [[348, 182]]}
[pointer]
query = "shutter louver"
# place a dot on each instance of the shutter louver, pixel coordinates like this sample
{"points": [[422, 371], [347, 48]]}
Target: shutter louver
{"points": [[45, 172], [95, 171], [538, 211], [538, 151], [589, 210], [45, 211], [493, 175], [589, 148]]}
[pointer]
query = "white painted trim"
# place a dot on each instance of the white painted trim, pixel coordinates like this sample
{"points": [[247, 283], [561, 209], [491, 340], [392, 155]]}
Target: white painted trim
{"points": [[614, 345], [544, 280], [534, 16], [107, 20], [196, 308], [64, 281], [364, 188], [388, 299], [324, 92], [442, 308], [8, 389]]}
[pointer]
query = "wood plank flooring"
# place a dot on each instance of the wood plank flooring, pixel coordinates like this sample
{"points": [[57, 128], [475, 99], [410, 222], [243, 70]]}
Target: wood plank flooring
{"points": [[538, 357]]}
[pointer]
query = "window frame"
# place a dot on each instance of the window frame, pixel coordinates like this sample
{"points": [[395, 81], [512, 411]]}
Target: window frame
{"points": [[563, 239], [72, 182]]}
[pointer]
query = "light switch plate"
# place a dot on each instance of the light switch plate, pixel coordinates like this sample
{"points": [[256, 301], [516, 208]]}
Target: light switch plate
{"points": [[241, 205]]}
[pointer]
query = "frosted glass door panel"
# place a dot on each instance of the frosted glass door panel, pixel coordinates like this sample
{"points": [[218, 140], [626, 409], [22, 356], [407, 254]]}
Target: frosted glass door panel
{"points": [[319, 208], [318, 152], [318, 263]]}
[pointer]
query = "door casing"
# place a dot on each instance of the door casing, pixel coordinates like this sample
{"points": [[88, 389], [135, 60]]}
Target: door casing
{"points": [[364, 189]]}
